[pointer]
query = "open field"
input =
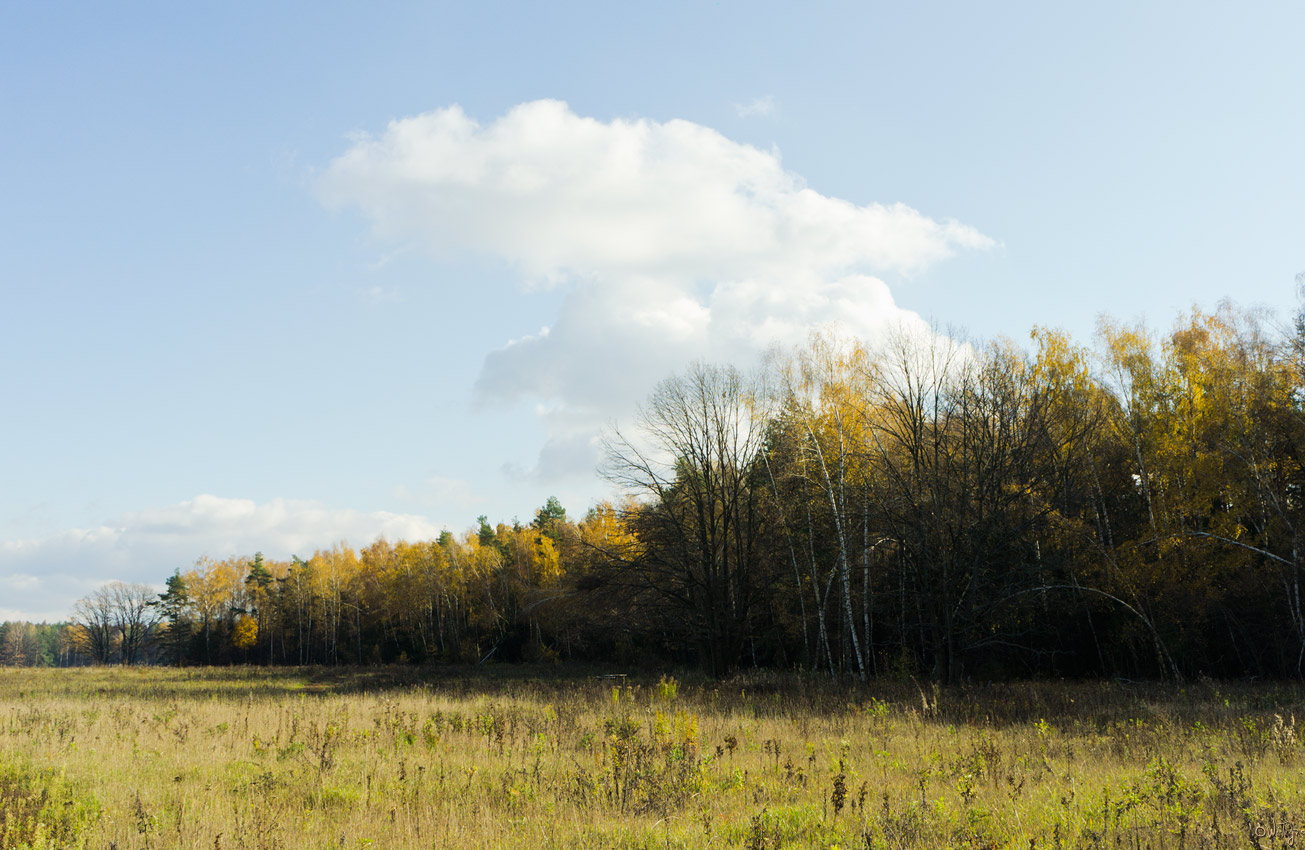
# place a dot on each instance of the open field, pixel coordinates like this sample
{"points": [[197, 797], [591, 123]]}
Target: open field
{"points": [[246, 758]]}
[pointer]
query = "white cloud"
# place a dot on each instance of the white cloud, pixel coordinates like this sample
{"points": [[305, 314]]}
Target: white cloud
{"points": [[566, 196], [674, 243], [45, 575], [758, 107]]}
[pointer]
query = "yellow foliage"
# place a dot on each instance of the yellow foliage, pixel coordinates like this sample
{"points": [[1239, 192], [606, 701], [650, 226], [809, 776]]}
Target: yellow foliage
{"points": [[245, 635], [547, 562]]}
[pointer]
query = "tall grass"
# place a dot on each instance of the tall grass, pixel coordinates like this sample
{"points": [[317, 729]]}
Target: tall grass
{"points": [[239, 758]]}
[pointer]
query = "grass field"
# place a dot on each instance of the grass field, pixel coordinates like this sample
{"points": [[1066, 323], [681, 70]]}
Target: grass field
{"points": [[520, 757]]}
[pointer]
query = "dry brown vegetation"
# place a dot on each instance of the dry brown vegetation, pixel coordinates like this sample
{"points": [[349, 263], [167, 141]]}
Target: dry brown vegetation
{"points": [[240, 758]]}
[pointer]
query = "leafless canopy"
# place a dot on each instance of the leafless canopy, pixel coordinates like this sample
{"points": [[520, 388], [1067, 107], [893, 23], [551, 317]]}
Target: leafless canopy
{"points": [[695, 457], [116, 619]]}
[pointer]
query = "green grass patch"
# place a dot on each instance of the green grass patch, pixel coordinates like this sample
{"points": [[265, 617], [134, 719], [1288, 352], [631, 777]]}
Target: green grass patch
{"points": [[39, 809]]}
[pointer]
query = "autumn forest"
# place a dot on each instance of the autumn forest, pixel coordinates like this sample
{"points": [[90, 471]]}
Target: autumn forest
{"points": [[1129, 507]]}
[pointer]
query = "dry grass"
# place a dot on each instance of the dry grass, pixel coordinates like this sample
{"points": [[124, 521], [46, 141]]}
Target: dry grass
{"points": [[222, 758]]}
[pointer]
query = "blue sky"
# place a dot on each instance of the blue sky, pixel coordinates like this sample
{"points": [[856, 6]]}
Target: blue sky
{"points": [[260, 264]]}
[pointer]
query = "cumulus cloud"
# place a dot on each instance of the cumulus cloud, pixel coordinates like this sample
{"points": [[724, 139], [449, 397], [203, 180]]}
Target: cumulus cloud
{"points": [[673, 243], [562, 195], [48, 573]]}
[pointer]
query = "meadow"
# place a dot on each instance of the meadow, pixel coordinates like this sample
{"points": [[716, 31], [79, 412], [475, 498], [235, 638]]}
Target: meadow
{"points": [[135, 758]]}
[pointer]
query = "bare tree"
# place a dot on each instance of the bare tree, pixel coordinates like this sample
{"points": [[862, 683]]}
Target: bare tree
{"points": [[970, 460], [696, 469], [116, 618], [94, 619], [135, 619]]}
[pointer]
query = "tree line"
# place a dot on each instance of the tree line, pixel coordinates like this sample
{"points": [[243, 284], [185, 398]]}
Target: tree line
{"points": [[919, 506], [24, 644]]}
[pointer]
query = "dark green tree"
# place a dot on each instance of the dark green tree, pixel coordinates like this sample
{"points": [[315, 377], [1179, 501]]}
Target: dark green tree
{"points": [[174, 606], [550, 518], [259, 584], [485, 531]]}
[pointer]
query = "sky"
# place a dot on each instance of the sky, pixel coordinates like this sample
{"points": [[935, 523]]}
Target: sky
{"points": [[275, 276]]}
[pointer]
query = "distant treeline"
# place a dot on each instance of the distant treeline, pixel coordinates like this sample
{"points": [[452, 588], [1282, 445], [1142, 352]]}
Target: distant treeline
{"points": [[918, 507], [40, 645]]}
